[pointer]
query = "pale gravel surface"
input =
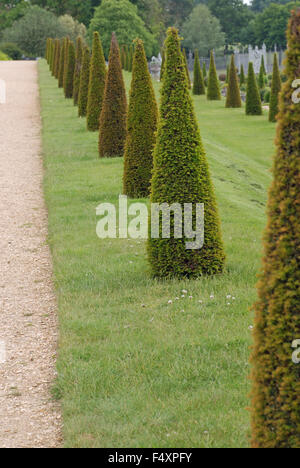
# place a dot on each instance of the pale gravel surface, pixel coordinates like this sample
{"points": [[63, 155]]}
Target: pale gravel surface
{"points": [[28, 416]]}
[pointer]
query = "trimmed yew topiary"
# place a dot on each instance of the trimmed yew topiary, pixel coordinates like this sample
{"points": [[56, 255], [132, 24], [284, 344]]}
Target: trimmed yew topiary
{"points": [[47, 54], [112, 134], [198, 85], [186, 69], [77, 70], [62, 64], [233, 99], [141, 127], [275, 375], [181, 175], [253, 101], [53, 51], [261, 77], [242, 76], [66, 62], [213, 87], [96, 84], [204, 71], [276, 87], [162, 68], [57, 58], [84, 83], [70, 71], [263, 67]]}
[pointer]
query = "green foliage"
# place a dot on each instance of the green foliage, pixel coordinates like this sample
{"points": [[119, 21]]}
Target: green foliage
{"points": [[233, 98], [121, 17], [57, 58], [213, 87], [202, 31], [70, 71], [77, 71], [141, 128], [186, 68], [84, 83], [275, 377], [242, 76], [12, 50], [204, 71], [80, 10], [3, 56], [62, 63], [253, 101], [163, 62], [72, 28], [66, 63], [96, 84], [53, 55], [276, 88], [198, 85], [181, 175], [30, 33], [112, 134], [11, 11], [261, 77]]}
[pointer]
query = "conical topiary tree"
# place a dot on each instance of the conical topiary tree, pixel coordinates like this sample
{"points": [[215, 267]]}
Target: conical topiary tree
{"points": [[186, 69], [213, 87], [253, 101], [130, 58], [261, 77], [227, 74], [263, 67], [242, 76], [204, 71], [198, 85], [70, 71], [163, 61], [53, 55], [127, 59], [47, 54], [62, 64], [141, 128], [276, 87], [181, 176], [112, 134], [96, 84], [123, 57], [66, 62], [84, 83], [275, 373], [77, 70], [57, 58], [233, 99]]}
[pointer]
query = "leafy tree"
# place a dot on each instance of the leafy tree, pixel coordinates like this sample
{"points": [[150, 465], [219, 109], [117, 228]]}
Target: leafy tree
{"points": [[198, 85], [112, 134], [121, 17], [81, 10], [84, 83], [77, 71], [30, 33], [275, 90], [233, 99], [202, 31], [213, 86], [141, 128], [275, 377], [253, 101], [176, 11], [181, 175], [11, 11], [72, 28], [96, 84]]}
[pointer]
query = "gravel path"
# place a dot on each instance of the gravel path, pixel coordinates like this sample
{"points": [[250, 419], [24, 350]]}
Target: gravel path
{"points": [[28, 331]]}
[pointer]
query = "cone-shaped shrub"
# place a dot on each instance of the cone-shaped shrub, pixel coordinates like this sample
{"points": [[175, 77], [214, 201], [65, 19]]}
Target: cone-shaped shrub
{"points": [[77, 71], [70, 71], [213, 87], [66, 62], [233, 99], [57, 58], [261, 78], [47, 55], [123, 57], [253, 101], [186, 69], [130, 58], [141, 128], [198, 85], [263, 65], [181, 175], [242, 76], [62, 64], [276, 87], [84, 83], [275, 375], [204, 71], [127, 65], [163, 61], [53, 51], [96, 84], [227, 74], [112, 134]]}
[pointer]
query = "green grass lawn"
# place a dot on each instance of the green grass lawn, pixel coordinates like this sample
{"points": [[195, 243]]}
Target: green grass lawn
{"points": [[160, 375]]}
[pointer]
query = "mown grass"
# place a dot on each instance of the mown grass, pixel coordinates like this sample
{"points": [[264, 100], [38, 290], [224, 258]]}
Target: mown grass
{"points": [[160, 375]]}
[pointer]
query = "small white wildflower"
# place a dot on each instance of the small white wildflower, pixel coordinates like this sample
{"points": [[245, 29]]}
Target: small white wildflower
{"points": [[170, 302], [251, 327], [183, 296], [191, 297], [228, 297], [184, 291], [212, 296]]}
